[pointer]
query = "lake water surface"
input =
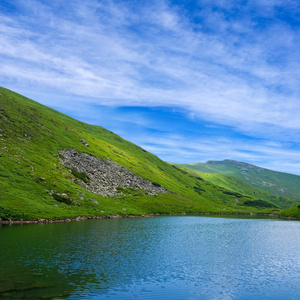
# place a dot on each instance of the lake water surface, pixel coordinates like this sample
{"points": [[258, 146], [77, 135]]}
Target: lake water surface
{"points": [[189, 257]]}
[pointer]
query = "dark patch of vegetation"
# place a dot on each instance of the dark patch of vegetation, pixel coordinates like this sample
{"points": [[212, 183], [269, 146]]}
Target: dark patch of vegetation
{"points": [[232, 193], [198, 189], [180, 170], [11, 214], [62, 198], [260, 203], [156, 184], [80, 175]]}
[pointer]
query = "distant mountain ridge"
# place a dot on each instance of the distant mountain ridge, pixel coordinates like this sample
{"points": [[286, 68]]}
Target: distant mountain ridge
{"points": [[274, 182]]}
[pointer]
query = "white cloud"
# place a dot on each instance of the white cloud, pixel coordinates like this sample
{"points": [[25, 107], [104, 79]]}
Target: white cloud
{"points": [[227, 67], [173, 67], [180, 149]]}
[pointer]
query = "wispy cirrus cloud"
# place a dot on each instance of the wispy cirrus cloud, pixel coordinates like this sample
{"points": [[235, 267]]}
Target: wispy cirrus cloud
{"points": [[262, 153], [228, 63]]}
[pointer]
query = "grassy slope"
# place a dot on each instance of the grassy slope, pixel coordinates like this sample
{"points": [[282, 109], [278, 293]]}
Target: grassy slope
{"points": [[31, 137], [237, 185], [276, 183], [292, 211]]}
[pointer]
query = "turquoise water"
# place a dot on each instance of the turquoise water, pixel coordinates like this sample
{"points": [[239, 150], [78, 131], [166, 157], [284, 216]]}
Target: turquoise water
{"points": [[152, 258]]}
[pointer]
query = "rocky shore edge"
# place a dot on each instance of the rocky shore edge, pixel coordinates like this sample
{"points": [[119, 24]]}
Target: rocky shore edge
{"points": [[48, 221]]}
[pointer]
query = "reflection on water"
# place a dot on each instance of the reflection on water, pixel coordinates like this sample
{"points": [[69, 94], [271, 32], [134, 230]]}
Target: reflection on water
{"points": [[152, 258]]}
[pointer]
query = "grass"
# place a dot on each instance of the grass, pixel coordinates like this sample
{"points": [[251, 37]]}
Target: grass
{"points": [[259, 198], [292, 212], [35, 185], [80, 175], [275, 183]]}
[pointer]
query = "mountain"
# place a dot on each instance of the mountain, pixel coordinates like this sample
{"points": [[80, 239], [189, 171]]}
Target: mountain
{"points": [[237, 185], [275, 183], [55, 167]]}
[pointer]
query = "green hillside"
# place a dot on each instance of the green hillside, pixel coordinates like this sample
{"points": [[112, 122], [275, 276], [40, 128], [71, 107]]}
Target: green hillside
{"points": [[276, 183], [36, 184], [292, 211], [237, 185]]}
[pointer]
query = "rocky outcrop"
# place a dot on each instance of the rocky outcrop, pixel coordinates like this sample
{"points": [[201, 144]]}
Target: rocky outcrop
{"points": [[105, 178], [84, 142]]}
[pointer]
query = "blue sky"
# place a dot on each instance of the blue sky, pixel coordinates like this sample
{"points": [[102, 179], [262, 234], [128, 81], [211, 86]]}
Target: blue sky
{"points": [[190, 81]]}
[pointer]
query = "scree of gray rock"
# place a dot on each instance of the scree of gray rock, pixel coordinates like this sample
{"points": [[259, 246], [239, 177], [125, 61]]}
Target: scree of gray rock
{"points": [[105, 176]]}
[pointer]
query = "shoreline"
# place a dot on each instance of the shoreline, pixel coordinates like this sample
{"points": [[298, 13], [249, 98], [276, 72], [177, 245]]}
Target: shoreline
{"points": [[65, 220]]}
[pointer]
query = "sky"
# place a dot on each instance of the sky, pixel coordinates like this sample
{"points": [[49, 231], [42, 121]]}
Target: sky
{"points": [[189, 81]]}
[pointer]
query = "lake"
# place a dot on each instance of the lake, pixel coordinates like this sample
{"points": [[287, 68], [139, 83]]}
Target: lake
{"points": [[174, 257]]}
